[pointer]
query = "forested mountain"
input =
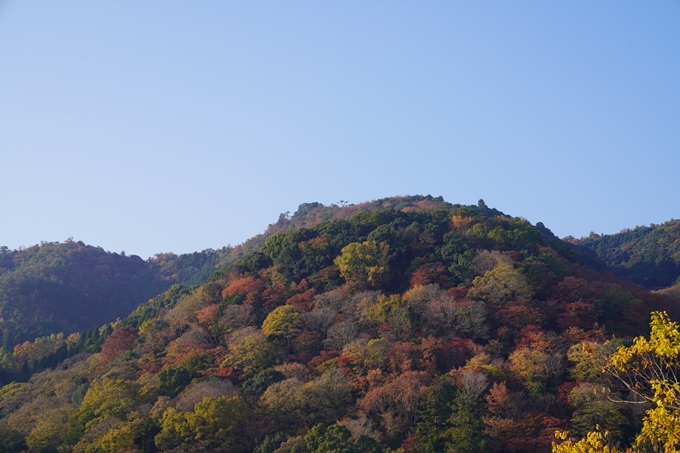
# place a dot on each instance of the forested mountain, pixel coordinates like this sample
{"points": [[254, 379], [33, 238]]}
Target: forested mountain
{"points": [[649, 255], [70, 286], [434, 328]]}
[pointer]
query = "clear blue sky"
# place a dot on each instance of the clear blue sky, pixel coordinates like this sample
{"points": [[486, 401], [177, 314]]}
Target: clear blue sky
{"points": [[178, 126]]}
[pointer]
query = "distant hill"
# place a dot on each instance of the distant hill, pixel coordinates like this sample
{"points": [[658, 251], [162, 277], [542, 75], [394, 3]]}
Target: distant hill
{"points": [[649, 255], [67, 287]]}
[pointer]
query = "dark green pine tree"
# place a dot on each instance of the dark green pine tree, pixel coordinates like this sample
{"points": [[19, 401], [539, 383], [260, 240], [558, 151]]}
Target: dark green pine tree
{"points": [[466, 434], [430, 430]]}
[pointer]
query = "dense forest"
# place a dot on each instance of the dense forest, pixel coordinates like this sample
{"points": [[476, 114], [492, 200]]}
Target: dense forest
{"points": [[67, 287], [408, 325]]}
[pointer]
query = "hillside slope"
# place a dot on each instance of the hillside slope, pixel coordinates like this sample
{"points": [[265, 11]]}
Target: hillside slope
{"points": [[457, 329], [70, 286]]}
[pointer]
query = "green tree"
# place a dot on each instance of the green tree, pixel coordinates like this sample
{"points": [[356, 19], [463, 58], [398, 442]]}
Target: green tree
{"points": [[434, 418], [11, 441], [588, 358], [172, 380], [269, 444], [334, 439], [256, 385], [467, 432], [337, 439], [285, 252]]}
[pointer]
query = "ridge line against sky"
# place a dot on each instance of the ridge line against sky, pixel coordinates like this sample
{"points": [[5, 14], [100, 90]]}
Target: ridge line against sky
{"points": [[168, 126], [349, 204]]}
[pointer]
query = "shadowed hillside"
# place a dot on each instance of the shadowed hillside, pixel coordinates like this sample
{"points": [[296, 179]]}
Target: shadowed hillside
{"points": [[649, 255]]}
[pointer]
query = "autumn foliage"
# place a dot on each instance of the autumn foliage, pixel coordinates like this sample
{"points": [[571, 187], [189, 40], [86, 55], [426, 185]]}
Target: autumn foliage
{"points": [[433, 328]]}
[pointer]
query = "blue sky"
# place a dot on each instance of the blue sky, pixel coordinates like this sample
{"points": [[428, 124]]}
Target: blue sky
{"points": [[178, 126]]}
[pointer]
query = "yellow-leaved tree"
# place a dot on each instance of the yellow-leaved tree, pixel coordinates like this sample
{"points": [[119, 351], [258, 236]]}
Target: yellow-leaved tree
{"points": [[650, 369], [364, 264]]}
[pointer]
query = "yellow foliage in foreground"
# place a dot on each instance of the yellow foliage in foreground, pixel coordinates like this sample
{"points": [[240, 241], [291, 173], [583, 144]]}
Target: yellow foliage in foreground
{"points": [[594, 442], [648, 368]]}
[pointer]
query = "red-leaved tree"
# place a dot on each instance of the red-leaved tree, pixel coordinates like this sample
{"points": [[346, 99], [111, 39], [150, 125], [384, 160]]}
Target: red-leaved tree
{"points": [[118, 342]]}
